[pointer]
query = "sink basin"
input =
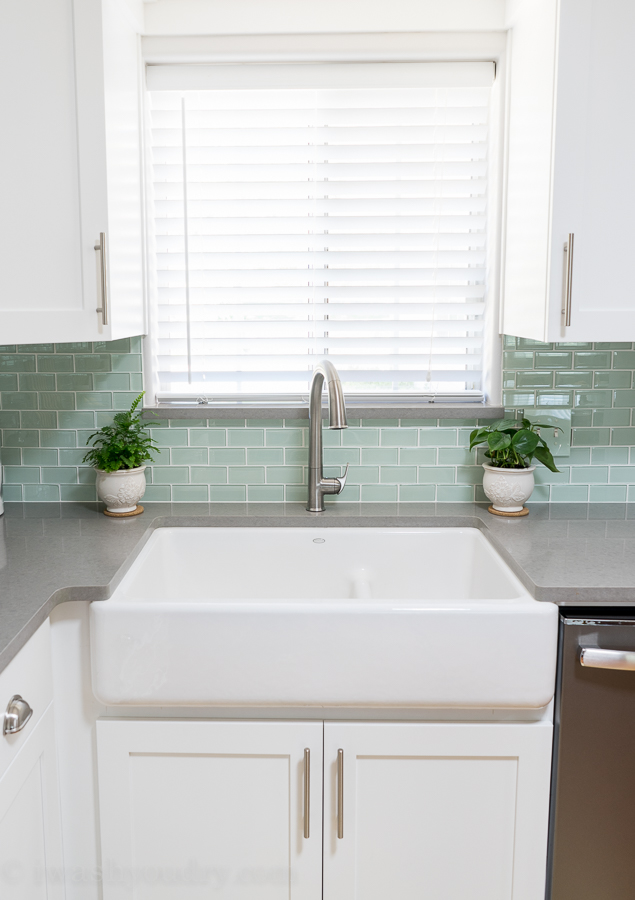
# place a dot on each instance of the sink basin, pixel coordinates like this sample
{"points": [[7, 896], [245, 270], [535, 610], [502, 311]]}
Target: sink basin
{"points": [[324, 617]]}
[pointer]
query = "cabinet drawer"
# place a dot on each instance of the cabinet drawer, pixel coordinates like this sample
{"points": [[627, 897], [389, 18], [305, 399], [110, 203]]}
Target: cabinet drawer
{"points": [[30, 675]]}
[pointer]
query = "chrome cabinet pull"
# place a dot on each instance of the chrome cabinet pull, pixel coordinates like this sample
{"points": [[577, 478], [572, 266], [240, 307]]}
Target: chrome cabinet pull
{"points": [[103, 280], [340, 794], [568, 262], [594, 658], [16, 716], [307, 792]]}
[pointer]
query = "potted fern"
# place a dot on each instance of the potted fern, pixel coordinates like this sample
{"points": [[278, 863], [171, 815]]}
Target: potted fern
{"points": [[119, 454], [508, 480]]}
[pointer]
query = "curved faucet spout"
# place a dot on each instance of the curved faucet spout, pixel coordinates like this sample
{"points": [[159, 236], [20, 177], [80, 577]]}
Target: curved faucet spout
{"points": [[318, 485]]}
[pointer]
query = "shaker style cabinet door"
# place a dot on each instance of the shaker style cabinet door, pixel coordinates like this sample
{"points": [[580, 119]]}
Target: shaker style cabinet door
{"points": [[31, 864], [571, 144], [202, 809], [108, 72], [443, 811], [71, 163]]}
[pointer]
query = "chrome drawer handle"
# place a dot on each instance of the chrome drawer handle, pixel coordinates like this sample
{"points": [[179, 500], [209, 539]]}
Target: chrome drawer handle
{"points": [[568, 249], [103, 278], [307, 792], [340, 794], [594, 658], [17, 715]]}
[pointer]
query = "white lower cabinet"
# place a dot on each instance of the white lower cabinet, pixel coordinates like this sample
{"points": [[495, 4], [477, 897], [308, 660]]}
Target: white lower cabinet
{"points": [[202, 809], [438, 811], [31, 865], [409, 811]]}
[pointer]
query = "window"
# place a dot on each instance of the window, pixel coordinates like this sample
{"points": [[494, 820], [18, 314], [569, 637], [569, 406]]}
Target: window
{"points": [[320, 210]]}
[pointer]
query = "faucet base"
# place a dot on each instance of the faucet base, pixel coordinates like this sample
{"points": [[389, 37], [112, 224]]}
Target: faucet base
{"points": [[319, 486]]}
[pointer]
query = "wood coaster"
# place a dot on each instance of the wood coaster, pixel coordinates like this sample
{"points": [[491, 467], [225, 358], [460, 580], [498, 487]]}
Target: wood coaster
{"points": [[512, 515], [135, 512]]}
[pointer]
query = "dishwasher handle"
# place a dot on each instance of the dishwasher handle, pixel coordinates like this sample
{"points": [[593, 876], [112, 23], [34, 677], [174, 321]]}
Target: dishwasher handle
{"points": [[595, 658]]}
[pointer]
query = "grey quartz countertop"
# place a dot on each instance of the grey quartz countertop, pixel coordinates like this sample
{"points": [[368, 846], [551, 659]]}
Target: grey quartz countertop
{"points": [[571, 554]]}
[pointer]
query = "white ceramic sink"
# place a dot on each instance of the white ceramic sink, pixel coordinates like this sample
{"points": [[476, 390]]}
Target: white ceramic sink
{"points": [[354, 617]]}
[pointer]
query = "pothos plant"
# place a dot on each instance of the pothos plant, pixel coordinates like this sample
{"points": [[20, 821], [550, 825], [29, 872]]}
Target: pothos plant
{"points": [[512, 444], [125, 444]]}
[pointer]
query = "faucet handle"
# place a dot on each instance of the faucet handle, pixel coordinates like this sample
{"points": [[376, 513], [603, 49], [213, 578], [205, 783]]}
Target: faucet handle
{"points": [[342, 480]]}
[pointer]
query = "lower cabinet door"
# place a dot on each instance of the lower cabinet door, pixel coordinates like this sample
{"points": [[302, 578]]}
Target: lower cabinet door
{"points": [[438, 811], [31, 864], [200, 809]]}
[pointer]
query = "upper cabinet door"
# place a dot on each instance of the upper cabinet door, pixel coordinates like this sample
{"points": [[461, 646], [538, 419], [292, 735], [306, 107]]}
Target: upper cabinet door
{"points": [[429, 810], [108, 70], [71, 160], [40, 236], [571, 144]]}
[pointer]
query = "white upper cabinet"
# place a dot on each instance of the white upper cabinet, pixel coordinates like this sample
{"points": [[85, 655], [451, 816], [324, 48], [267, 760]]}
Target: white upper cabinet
{"points": [[570, 171], [71, 163]]}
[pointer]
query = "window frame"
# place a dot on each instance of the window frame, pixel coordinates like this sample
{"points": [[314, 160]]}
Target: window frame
{"points": [[411, 47]]}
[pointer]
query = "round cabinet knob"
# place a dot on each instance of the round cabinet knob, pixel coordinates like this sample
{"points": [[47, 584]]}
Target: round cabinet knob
{"points": [[16, 716]]}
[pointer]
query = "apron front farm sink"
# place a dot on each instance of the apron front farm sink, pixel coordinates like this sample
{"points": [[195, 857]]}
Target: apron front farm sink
{"points": [[322, 617]]}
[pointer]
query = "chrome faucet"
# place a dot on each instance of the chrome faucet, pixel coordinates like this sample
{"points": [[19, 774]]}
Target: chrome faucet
{"points": [[318, 484]]}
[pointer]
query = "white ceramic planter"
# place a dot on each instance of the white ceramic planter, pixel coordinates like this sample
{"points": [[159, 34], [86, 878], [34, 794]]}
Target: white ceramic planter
{"points": [[508, 489], [121, 490]]}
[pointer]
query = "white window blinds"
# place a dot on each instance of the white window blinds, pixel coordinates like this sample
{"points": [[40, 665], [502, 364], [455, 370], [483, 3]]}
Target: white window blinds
{"points": [[320, 210]]}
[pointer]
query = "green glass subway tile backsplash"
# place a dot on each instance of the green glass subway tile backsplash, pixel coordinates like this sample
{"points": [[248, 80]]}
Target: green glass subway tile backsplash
{"points": [[53, 396], [598, 386]]}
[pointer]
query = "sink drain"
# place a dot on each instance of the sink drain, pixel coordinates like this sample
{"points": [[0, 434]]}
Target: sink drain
{"points": [[318, 540]]}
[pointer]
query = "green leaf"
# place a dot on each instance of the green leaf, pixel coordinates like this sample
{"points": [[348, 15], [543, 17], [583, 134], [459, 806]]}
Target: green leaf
{"points": [[504, 425], [525, 442], [478, 436], [498, 440], [543, 455]]}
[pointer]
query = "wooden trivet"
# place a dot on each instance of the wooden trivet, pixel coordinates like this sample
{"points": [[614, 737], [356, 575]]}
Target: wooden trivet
{"points": [[499, 512], [135, 512]]}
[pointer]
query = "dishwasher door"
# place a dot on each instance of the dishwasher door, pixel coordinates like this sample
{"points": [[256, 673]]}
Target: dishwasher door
{"points": [[592, 836]]}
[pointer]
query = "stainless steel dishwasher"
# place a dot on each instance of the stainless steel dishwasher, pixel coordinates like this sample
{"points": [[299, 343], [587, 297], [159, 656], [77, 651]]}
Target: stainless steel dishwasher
{"points": [[592, 834]]}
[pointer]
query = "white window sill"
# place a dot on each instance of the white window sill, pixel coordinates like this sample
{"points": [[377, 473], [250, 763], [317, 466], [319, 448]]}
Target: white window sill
{"points": [[366, 410]]}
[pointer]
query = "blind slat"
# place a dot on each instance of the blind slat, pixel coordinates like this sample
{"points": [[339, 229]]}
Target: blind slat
{"points": [[337, 277], [228, 243], [326, 336], [397, 225], [282, 154], [346, 360], [368, 311], [433, 293], [169, 164]]}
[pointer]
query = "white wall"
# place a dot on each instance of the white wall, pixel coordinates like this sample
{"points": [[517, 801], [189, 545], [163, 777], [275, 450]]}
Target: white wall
{"points": [[325, 16]]}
